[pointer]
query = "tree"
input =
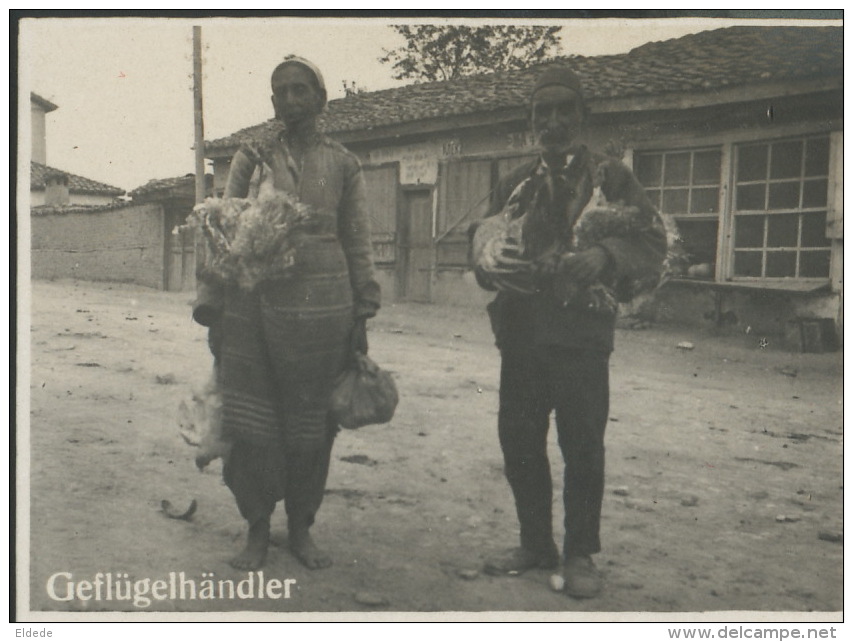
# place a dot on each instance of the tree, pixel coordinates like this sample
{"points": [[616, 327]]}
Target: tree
{"points": [[445, 52]]}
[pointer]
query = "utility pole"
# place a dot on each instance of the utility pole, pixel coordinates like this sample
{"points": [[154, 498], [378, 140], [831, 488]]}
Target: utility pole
{"points": [[199, 118], [199, 249]]}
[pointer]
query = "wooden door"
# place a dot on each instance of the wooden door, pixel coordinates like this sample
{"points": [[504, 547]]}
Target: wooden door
{"points": [[418, 246], [382, 186], [180, 265]]}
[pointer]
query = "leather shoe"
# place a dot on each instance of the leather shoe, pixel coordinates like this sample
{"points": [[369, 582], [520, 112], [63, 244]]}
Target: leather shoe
{"points": [[582, 578], [517, 560]]}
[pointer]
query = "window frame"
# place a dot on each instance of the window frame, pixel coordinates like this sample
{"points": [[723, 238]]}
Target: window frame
{"points": [[690, 186], [726, 142], [766, 212]]}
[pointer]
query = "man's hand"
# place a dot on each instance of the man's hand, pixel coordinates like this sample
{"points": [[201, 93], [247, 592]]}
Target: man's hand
{"points": [[502, 256], [358, 336], [585, 267]]}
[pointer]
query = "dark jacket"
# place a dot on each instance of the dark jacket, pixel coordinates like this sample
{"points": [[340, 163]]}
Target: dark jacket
{"points": [[519, 320]]}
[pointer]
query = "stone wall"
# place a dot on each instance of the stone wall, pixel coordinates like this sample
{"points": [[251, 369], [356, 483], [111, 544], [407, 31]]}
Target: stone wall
{"points": [[123, 244]]}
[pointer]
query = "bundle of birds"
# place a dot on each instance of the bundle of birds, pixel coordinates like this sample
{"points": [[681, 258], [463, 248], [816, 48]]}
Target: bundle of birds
{"points": [[250, 240], [537, 248]]}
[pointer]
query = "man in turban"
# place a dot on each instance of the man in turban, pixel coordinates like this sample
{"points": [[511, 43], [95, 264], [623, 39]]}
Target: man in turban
{"points": [[280, 347]]}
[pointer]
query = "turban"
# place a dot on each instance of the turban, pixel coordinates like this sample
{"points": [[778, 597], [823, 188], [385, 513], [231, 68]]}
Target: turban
{"points": [[311, 67]]}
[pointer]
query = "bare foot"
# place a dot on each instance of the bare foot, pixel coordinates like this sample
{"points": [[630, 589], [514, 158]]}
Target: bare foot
{"points": [[306, 551], [253, 556]]}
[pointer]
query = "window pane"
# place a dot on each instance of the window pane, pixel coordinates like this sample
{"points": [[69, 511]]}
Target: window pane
{"points": [[814, 230], [748, 263], [750, 197], [788, 178], [649, 169], [706, 168], [699, 239], [782, 230], [675, 201], [749, 231], [817, 157], [814, 264], [654, 197], [786, 159], [784, 196], [781, 264], [752, 163], [814, 193], [677, 169], [705, 200]]}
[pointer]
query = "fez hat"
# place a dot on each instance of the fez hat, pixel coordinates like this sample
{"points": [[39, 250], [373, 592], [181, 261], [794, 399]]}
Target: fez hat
{"points": [[564, 77], [311, 67]]}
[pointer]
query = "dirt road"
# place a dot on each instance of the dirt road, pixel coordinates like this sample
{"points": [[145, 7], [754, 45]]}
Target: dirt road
{"points": [[724, 472]]}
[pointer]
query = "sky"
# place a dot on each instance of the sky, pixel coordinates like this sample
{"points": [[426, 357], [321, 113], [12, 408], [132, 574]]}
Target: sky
{"points": [[124, 85]]}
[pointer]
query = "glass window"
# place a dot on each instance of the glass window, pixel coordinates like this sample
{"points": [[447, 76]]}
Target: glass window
{"points": [[784, 196], [784, 237], [748, 263], [782, 230], [817, 157], [673, 179], [706, 168], [650, 170], [814, 230], [677, 169], [699, 240], [686, 185], [705, 201], [781, 264], [752, 163], [675, 200], [786, 159], [777, 204], [750, 197], [814, 264], [749, 231], [815, 193]]}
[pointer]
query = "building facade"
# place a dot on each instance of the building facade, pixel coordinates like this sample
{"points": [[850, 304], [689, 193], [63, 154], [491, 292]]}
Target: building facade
{"points": [[736, 133], [134, 241], [121, 243], [39, 108], [54, 187]]}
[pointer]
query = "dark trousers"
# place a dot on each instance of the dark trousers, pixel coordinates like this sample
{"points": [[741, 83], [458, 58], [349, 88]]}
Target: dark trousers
{"points": [[575, 385], [260, 476]]}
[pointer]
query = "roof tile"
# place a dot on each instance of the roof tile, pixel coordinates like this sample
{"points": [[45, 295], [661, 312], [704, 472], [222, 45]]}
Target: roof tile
{"points": [[76, 184], [703, 62], [186, 182]]}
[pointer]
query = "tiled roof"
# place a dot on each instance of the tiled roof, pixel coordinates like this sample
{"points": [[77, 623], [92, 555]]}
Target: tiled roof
{"points": [[704, 62], [71, 208], [76, 184], [186, 182]]}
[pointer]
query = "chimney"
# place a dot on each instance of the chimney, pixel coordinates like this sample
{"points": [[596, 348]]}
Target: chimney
{"points": [[56, 189]]}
